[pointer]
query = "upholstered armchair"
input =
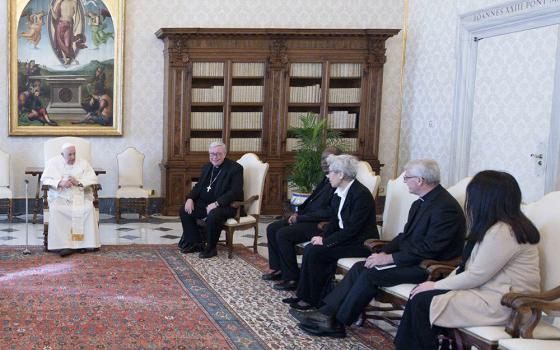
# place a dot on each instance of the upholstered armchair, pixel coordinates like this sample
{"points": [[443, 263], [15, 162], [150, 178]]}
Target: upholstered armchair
{"points": [[254, 175], [131, 195], [5, 192], [52, 148], [368, 178], [533, 317]]}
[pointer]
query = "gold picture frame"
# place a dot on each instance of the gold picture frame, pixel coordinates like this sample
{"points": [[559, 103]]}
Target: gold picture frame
{"points": [[66, 67]]}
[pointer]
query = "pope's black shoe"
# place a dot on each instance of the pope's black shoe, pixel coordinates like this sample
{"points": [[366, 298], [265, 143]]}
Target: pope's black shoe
{"points": [[65, 252]]}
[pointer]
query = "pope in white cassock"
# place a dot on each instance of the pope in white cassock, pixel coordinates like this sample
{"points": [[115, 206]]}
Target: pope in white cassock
{"points": [[73, 221]]}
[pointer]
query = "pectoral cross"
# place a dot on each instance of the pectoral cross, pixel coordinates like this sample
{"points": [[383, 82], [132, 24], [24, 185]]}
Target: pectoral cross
{"points": [[208, 188]]}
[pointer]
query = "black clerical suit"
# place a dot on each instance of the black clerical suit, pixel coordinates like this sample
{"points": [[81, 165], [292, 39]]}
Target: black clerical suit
{"points": [[282, 237], [226, 186], [435, 230], [319, 261]]}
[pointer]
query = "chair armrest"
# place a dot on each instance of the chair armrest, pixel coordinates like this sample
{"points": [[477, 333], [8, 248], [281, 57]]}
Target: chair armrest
{"points": [[533, 303], [240, 204], [535, 306], [375, 245], [550, 295], [438, 269]]}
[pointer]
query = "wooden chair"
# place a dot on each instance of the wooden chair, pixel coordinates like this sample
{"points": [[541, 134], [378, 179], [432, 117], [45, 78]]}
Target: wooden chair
{"points": [[254, 175], [544, 214], [5, 192], [52, 148], [131, 195]]}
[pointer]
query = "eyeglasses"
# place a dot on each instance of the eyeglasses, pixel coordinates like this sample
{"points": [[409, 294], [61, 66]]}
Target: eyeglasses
{"points": [[406, 178], [215, 155]]}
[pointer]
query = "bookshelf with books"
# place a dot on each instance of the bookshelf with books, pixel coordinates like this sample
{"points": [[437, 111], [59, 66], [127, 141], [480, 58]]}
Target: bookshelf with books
{"points": [[248, 86]]}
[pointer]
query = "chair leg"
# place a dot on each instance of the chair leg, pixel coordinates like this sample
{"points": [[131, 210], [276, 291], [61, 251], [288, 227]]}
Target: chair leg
{"points": [[10, 210], [256, 238], [229, 242], [146, 208], [118, 210], [46, 236]]}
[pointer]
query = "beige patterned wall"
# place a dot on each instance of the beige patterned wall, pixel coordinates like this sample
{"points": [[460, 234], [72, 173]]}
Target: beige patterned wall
{"points": [[143, 93], [430, 78]]}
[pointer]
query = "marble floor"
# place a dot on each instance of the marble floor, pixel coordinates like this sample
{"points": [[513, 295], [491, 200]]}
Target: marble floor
{"points": [[156, 230]]}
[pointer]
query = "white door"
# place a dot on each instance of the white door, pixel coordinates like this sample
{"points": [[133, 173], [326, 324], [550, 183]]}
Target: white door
{"points": [[512, 108]]}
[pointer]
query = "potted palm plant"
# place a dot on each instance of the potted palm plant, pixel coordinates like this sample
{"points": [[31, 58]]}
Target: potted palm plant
{"points": [[313, 137]]}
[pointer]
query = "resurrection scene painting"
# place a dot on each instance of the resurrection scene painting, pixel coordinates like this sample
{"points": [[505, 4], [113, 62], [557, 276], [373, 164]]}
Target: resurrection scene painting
{"points": [[66, 52]]}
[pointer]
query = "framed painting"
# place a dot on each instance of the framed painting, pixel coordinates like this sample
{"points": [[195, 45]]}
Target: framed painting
{"points": [[66, 67]]}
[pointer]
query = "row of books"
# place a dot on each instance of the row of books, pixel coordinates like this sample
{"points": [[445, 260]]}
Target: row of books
{"points": [[246, 93], [294, 119], [349, 143], [344, 95], [213, 94], [346, 70], [245, 144], [200, 144], [341, 120], [311, 70], [246, 120], [257, 69], [253, 69], [207, 120], [305, 94], [208, 69]]}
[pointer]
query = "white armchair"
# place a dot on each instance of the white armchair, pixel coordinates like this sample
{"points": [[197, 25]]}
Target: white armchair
{"points": [[52, 148], [367, 177], [254, 175], [5, 192], [131, 195]]}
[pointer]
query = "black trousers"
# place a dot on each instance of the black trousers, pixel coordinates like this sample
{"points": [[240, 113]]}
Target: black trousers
{"points": [[415, 331], [214, 222], [319, 266], [282, 239], [360, 285]]}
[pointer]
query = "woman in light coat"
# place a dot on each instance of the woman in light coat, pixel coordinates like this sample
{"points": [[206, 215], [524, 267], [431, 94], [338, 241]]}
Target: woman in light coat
{"points": [[500, 256]]}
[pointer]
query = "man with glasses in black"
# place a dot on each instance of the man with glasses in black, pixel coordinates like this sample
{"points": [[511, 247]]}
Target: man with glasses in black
{"points": [[220, 184], [435, 229]]}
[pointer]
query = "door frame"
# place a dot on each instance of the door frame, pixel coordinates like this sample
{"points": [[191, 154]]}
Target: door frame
{"points": [[489, 22]]}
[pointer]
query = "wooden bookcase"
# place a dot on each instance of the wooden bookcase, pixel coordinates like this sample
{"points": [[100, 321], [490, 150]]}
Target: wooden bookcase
{"points": [[248, 86]]}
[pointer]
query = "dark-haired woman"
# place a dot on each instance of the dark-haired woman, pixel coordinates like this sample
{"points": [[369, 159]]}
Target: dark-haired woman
{"points": [[500, 256]]}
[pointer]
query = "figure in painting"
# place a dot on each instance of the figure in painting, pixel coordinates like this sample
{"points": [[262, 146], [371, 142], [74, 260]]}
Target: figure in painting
{"points": [[67, 29], [31, 107], [34, 26], [97, 24]]}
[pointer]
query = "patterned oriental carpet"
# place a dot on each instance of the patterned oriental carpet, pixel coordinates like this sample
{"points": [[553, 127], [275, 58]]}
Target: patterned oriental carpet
{"points": [[151, 297]]}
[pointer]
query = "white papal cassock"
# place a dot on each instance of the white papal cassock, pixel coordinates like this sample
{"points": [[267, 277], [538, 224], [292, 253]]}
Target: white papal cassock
{"points": [[73, 221]]}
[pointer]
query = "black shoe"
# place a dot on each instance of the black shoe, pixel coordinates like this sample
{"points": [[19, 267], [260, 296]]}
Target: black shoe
{"points": [[82, 251], [334, 331], [65, 252], [300, 314], [290, 300], [312, 318], [286, 285], [298, 306], [193, 248], [273, 276], [208, 253]]}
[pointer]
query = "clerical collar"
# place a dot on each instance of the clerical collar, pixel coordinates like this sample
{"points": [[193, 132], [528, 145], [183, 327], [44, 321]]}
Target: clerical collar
{"points": [[431, 194]]}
